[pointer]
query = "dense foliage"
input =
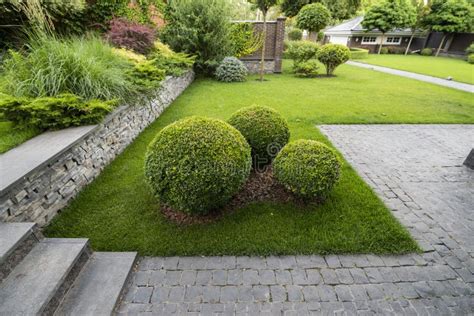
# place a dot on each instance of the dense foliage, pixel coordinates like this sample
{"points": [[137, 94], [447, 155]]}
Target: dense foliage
{"points": [[201, 28], [359, 53], [313, 17], [340, 9], [301, 51], [61, 111], [470, 59], [86, 67], [264, 129], [131, 35], [244, 40], [470, 49], [295, 34], [307, 168], [426, 52], [66, 17], [332, 56], [99, 12], [174, 64], [197, 164], [450, 16], [231, 69], [389, 15], [306, 69]]}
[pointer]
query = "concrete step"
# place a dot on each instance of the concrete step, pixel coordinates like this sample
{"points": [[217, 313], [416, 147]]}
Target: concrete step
{"points": [[98, 287], [16, 241], [39, 281]]}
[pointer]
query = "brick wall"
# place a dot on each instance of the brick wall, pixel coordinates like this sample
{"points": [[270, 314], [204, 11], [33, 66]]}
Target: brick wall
{"points": [[274, 47]]}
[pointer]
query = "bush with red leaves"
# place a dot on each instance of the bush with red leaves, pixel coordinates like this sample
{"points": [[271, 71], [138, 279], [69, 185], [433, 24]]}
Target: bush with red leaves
{"points": [[131, 35]]}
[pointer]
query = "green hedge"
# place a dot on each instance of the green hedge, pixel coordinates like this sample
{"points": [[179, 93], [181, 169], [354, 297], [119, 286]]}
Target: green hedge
{"points": [[359, 53]]}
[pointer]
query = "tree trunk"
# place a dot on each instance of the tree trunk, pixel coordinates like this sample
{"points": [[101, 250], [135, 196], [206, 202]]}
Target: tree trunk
{"points": [[409, 43], [440, 45], [312, 36], [381, 43], [262, 61]]}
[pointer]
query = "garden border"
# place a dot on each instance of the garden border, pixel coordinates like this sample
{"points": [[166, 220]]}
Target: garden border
{"points": [[46, 185]]}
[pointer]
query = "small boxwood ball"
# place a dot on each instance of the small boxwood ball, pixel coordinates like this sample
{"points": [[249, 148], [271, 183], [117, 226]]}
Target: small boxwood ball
{"points": [[265, 130], [197, 164], [307, 168]]}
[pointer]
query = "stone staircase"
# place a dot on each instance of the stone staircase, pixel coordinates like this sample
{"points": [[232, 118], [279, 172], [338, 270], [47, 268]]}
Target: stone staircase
{"points": [[58, 276]]}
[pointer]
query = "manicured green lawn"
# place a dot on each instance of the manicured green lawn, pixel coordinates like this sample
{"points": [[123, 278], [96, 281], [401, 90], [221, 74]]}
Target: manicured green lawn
{"points": [[118, 212], [10, 137], [442, 67]]}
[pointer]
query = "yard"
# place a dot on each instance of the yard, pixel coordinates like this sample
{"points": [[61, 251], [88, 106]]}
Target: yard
{"points": [[118, 212], [441, 67]]}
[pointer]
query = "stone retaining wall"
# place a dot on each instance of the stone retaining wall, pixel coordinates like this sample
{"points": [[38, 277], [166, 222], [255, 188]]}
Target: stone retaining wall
{"points": [[43, 192]]}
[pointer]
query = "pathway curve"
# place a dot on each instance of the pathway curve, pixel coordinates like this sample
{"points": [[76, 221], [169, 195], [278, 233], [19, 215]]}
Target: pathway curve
{"points": [[439, 81], [417, 170]]}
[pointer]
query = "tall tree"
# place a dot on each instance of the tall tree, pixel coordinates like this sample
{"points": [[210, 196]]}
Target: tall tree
{"points": [[313, 18], [448, 17], [388, 16], [263, 6], [421, 10]]}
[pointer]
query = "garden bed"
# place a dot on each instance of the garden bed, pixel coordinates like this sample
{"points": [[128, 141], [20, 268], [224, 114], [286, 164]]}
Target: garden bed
{"points": [[119, 212]]}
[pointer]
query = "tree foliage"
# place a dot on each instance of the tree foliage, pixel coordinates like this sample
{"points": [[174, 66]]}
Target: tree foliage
{"points": [[340, 9], [201, 28], [313, 17], [389, 15], [450, 16]]}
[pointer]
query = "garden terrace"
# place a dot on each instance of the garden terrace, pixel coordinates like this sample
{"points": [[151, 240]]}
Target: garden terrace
{"points": [[119, 212]]}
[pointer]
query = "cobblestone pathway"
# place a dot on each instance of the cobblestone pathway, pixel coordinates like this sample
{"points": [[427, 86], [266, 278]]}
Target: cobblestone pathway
{"points": [[417, 170]]}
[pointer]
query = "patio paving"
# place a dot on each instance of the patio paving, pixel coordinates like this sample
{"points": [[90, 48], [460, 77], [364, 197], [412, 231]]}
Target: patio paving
{"points": [[417, 171]]}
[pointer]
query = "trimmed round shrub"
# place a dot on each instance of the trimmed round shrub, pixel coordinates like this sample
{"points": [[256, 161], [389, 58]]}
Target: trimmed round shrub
{"points": [[295, 35], [333, 55], [301, 51], [470, 49], [426, 52], [470, 59], [231, 69], [197, 164], [313, 17], [384, 51], [307, 168], [264, 129], [306, 69]]}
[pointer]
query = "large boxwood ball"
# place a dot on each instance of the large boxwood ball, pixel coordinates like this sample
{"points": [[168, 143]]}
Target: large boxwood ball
{"points": [[197, 164], [265, 130], [307, 168]]}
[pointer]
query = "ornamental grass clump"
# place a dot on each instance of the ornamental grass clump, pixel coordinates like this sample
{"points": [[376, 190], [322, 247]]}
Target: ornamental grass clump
{"points": [[307, 168], [86, 67], [231, 69], [264, 129], [197, 164]]}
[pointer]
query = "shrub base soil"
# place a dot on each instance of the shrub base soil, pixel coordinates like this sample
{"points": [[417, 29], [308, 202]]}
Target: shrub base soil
{"points": [[260, 187]]}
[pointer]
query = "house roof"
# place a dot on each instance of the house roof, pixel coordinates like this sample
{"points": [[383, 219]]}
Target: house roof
{"points": [[354, 26]]}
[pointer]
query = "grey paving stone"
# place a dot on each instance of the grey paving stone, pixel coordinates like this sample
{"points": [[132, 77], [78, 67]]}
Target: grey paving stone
{"points": [[430, 194], [143, 295]]}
